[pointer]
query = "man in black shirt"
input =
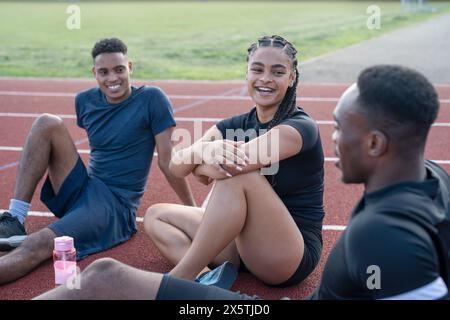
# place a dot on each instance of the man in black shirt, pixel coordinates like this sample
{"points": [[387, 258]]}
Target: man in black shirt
{"points": [[381, 126]]}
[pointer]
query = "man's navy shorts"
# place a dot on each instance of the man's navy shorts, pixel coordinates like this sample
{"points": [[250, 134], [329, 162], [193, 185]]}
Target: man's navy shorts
{"points": [[89, 212]]}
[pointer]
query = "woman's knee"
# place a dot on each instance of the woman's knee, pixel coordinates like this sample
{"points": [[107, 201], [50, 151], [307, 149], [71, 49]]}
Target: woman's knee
{"points": [[153, 213], [251, 177]]}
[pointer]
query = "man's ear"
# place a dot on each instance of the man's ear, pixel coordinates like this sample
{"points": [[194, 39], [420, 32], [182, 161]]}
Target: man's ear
{"points": [[377, 143], [130, 66], [93, 71]]}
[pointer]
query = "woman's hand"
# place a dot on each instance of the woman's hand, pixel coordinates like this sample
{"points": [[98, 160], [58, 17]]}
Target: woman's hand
{"points": [[203, 179], [223, 152], [206, 173]]}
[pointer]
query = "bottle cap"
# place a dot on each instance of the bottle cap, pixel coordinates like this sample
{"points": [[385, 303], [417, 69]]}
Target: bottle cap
{"points": [[64, 243]]}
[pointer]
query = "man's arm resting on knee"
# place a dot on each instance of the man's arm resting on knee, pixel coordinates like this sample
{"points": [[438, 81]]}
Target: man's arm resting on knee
{"points": [[164, 147]]}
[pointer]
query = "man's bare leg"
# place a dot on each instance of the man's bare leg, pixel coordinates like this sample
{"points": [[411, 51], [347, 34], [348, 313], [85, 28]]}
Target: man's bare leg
{"points": [[109, 279], [36, 248], [48, 146]]}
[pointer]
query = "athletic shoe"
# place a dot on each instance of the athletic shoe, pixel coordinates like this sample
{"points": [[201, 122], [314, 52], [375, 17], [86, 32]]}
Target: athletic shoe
{"points": [[12, 232], [223, 276]]}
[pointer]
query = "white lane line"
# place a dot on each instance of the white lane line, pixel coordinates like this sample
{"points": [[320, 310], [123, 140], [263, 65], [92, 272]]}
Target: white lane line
{"points": [[36, 94], [329, 159], [81, 151], [141, 219], [171, 96], [334, 227], [11, 149], [180, 119], [87, 151], [150, 81], [441, 124], [33, 115], [19, 149], [136, 81]]}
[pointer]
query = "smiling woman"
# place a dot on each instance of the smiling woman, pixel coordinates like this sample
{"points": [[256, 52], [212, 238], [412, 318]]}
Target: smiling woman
{"points": [[271, 72], [269, 225]]}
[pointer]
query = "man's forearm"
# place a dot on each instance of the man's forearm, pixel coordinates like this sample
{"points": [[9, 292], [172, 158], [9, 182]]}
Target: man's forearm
{"points": [[181, 187], [184, 161]]}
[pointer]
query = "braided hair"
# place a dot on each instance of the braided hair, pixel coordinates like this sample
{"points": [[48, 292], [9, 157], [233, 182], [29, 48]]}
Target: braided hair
{"points": [[289, 104]]}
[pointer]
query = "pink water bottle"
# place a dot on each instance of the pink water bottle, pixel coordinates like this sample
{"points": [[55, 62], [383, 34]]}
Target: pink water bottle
{"points": [[64, 259]]}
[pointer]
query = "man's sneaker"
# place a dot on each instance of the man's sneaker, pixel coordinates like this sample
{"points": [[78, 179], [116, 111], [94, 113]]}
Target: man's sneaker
{"points": [[12, 232], [223, 276]]}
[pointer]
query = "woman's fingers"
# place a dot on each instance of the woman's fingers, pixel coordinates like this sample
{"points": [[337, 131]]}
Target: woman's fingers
{"points": [[225, 152], [235, 153], [221, 170]]}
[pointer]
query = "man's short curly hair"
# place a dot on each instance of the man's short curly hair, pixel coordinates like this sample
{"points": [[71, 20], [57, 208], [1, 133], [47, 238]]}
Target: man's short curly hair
{"points": [[110, 45], [399, 101]]}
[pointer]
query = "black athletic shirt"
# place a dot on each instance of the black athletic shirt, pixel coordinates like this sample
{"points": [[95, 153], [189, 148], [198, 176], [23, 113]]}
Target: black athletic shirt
{"points": [[381, 234], [299, 181]]}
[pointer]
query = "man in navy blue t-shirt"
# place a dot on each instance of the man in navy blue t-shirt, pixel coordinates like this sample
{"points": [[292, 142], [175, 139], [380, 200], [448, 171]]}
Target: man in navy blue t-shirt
{"points": [[96, 206]]}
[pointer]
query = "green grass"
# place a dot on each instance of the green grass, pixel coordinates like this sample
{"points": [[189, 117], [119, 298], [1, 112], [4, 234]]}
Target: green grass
{"points": [[182, 40]]}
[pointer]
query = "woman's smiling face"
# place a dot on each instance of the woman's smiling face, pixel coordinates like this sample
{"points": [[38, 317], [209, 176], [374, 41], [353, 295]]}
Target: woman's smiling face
{"points": [[269, 75]]}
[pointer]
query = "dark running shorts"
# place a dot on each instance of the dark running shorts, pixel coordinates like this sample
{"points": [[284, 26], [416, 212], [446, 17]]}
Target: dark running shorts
{"points": [[312, 237], [88, 211], [173, 288]]}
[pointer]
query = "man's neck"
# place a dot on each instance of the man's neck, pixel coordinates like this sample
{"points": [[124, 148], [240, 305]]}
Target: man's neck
{"points": [[395, 172], [121, 99]]}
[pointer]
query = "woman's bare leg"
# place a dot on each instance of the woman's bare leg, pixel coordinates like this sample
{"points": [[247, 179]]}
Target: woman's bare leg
{"points": [[172, 228], [246, 209]]}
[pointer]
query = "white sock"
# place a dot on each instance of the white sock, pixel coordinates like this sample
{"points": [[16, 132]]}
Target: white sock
{"points": [[19, 209]]}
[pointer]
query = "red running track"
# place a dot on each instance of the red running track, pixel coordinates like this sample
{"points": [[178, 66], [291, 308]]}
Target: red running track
{"points": [[21, 100]]}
